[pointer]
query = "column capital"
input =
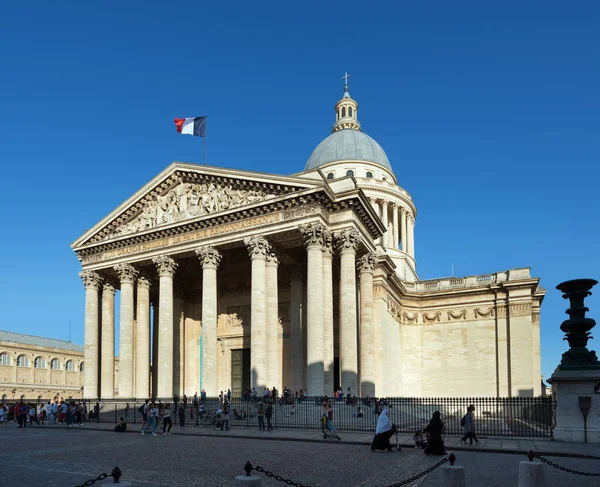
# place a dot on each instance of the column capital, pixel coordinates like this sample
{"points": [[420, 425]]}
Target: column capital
{"points": [[315, 234], [208, 256], [126, 272], [396, 206], [144, 282], [374, 201], [258, 246], [273, 258], [109, 288], [347, 240], [165, 265], [91, 279], [367, 262], [402, 210]]}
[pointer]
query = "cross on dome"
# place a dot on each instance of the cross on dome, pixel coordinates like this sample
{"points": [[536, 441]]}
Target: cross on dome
{"points": [[345, 78]]}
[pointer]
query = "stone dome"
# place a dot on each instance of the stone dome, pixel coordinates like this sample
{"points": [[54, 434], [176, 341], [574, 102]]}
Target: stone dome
{"points": [[348, 145]]}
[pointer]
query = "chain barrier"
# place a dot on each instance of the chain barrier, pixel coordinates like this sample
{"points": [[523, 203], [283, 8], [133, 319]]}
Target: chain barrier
{"points": [[532, 455], [423, 473], [115, 474], [451, 458], [248, 468]]}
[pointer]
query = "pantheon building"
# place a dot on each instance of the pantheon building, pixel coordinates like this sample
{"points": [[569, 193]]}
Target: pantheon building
{"points": [[237, 279]]}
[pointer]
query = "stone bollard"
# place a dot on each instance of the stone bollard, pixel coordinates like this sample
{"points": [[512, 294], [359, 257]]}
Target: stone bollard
{"points": [[453, 475], [531, 474], [247, 480], [116, 475]]}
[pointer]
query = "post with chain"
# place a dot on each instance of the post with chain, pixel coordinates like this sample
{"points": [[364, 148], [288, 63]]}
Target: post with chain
{"points": [[248, 480], [453, 475], [531, 474]]}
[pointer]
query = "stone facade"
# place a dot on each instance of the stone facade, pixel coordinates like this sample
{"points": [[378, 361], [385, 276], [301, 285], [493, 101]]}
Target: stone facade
{"points": [[310, 281]]}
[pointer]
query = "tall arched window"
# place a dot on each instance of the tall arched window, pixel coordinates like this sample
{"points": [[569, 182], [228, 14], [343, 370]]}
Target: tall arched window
{"points": [[55, 364], [350, 173], [22, 361], [4, 398], [70, 366], [349, 111], [343, 112], [39, 363], [330, 175], [81, 367], [5, 359]]}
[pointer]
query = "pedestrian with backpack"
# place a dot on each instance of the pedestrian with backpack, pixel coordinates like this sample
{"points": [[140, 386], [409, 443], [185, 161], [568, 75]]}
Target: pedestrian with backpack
{"points": [[468, 424]]}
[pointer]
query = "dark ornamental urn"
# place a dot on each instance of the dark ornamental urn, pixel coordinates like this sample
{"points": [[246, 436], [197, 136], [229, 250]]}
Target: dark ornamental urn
{"points": [[577, 327]]}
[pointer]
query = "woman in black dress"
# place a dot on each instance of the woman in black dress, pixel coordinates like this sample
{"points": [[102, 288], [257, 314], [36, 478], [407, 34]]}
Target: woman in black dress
{"points": [[434, 430]]}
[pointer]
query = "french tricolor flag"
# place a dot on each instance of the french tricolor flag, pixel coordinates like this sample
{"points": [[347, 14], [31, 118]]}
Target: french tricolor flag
{"points": [[191, 126]]}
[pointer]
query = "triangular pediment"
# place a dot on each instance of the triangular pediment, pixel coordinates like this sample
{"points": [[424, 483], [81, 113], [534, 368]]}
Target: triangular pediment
{"points": [[187, 192]]}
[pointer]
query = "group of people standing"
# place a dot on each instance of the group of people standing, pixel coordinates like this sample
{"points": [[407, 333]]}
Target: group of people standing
{"points": [[57, 411], [433, 444]]}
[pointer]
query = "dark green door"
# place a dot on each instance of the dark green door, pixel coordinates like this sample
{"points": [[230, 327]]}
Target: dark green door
{"points": [[240, 371]]}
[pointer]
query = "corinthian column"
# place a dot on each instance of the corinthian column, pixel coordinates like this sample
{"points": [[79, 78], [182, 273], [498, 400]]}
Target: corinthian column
{"points": [[142, 340], [377, 209], [127, 276], [315, 236], [348, 242], [92, 282], [384, 218], [296, 336], [411, 231], [210, 259], [166, 268], [328, 340], [395, 237], [274, 371], [366, 265], [403, 230], [258, 248], [107, 362]]}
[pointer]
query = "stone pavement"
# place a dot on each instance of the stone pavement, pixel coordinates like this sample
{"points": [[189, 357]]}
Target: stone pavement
{"points": [[62, 456], [487, 445]]}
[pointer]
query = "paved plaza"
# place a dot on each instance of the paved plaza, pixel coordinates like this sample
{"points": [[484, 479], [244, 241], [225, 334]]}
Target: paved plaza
{"points": [[61, 456]]}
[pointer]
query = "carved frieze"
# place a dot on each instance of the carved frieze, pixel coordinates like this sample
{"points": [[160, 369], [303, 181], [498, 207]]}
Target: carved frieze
{"points": [[431, 317], [230, 321], [243, 312], [186, 201], [301, 211], [394, 309], [519, 309], [457, 314], [535, 318], [409, 317], [484, 312]]}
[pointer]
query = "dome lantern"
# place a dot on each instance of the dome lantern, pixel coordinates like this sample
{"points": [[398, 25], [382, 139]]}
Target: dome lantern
{"points": [[346, 111]]}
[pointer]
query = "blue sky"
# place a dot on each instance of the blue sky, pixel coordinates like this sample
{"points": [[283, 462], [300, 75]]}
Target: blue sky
{"points": [[489, 116]]}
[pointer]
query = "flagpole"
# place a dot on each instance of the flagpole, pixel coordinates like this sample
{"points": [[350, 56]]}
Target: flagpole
{"points": [[205, 140]]}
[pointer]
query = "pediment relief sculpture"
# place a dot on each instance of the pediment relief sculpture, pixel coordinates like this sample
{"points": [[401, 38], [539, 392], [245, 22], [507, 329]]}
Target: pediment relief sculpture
{"points": [[186, 201]]}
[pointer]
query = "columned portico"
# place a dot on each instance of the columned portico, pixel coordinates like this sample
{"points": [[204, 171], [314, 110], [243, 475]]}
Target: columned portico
{"points": [[258, 248], [142, 339], [107, 360], [366, 266], [92, 282], [166, 268], [209, 259], [127, 275], [348, 241]]}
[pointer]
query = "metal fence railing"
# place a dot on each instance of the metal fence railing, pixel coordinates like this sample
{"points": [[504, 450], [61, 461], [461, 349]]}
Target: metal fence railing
{"points": [[519, 417]]}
